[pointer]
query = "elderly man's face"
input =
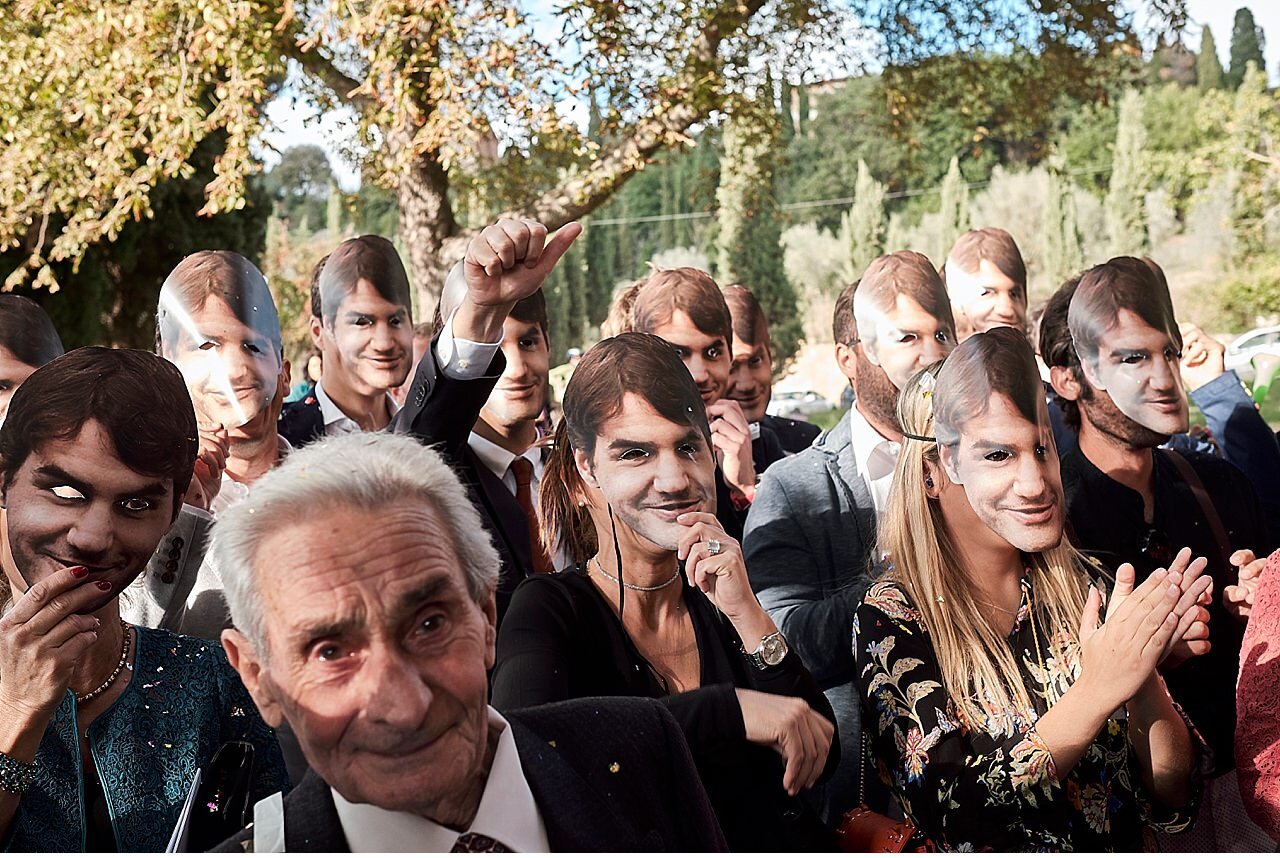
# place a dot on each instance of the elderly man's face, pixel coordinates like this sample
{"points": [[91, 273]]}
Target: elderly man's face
{"points": [[377, 654]]}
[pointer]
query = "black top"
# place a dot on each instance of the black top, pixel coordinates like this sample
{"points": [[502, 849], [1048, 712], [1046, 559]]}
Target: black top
{"points": [[794, 435], [766, 449], [562, 640], [1108, 522]]}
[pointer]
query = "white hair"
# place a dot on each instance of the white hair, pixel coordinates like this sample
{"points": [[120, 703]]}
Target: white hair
{"points": [[359, 471]]}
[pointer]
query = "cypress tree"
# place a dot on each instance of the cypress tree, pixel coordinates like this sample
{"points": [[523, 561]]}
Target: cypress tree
{"points": [[1247, 44], [1124, 209], [866, 220], [1208, 66], [1060, 235], [954, 210]]}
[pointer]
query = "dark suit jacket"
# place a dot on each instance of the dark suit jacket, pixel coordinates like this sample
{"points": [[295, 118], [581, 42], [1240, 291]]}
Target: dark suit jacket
{"points": [[794, 435], [608, 775], [442, 411]]}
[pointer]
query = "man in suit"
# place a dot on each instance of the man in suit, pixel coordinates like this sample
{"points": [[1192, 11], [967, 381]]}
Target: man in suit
{"points": [[362, 323], [362, 585], [751, 383], [812, 529], [491, 354]]}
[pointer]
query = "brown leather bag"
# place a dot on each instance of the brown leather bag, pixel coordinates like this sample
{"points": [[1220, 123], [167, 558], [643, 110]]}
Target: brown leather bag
{"points": [[864, 830]]}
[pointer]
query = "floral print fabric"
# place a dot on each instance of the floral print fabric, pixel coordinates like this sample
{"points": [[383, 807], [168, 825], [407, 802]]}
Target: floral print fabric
{"points": [[992, 785]]}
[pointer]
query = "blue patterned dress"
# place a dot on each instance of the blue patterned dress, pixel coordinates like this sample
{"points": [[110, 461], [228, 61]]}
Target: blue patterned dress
{"points": [[182, 703]]}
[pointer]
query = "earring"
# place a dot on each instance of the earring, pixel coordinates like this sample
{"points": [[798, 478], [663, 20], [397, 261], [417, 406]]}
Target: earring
{"points": [[928, 482]]}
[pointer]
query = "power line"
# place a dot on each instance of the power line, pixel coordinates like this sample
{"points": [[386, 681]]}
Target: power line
{"points": [[815, 204]]}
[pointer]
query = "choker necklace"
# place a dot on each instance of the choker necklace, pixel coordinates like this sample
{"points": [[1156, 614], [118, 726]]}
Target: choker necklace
{"points": [[664, 584], [127, 633]]}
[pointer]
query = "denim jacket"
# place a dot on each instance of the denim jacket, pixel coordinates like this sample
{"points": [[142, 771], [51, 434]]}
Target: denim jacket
{"points": [[182, 703]]}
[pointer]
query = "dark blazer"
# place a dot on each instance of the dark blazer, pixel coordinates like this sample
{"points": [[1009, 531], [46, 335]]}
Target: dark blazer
{"points": [[608, 775], [300, 421], [808, 540], [442, 411], [794, 435]]}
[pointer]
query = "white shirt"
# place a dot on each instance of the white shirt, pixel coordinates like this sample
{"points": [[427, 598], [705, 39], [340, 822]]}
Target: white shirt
{"points": [[498, 460], [507, 813], [336, 421], [233, 490], [875, 457]]}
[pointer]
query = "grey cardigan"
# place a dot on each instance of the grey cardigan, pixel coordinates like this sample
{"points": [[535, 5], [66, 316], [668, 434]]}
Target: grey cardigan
{"points": [[809, 537]]}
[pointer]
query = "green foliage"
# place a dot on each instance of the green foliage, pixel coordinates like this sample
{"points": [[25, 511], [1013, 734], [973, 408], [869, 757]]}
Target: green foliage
{"points": [[953, 210], [110, 297], [1208, 66], [1061, 252], [1250, 296], [865, 220], [1126, 223], [1247, 43], [750, 231]]}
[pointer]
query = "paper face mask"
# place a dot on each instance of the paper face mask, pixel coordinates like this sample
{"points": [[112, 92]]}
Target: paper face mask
{"points": [[995, 439], [903, 340], [1126, 339], [218, 324]]}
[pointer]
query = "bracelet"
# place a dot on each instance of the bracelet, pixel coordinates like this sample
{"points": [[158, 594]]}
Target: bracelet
{"points": [[15, 775]]}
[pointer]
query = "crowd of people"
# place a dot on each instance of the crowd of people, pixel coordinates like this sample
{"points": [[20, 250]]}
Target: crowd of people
{"points": [[1009, 601]]}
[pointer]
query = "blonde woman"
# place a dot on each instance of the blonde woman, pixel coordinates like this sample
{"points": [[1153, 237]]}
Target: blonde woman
{"points": [[1003, 714]]}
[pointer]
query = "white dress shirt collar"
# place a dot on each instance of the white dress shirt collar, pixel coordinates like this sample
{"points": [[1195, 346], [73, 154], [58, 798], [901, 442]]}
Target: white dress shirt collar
{"points": [[507, 813], [498, 459], [336, 421], [875, 457]]}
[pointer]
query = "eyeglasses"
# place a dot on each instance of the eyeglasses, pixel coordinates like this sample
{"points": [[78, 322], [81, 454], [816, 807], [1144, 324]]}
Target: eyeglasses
{"points": [[1155, 546]]}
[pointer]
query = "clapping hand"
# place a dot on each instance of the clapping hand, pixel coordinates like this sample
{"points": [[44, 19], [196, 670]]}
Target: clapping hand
{"points": [[1238, 598]]}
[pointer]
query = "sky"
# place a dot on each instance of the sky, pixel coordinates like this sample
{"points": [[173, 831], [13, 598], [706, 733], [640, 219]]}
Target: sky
{"points": [[294, 121]]}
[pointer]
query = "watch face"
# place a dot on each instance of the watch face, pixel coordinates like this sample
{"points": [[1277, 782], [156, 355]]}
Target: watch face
{"points": [[775, 650]]}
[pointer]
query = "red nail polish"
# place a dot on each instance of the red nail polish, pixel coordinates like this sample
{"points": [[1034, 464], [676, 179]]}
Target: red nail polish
{"points": [[103, 585], [78, 571]]}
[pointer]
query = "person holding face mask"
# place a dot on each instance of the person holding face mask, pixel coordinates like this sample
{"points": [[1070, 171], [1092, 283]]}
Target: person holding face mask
{"points": [[362, 323], [1008, 708], [658, 603], [751, 383], [1130, 502], [987, 281], [811, 531], [103, 724], [28, 341]]}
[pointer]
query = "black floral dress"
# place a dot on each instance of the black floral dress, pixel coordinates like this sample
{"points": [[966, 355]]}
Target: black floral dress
{"points": [[992, 785]]}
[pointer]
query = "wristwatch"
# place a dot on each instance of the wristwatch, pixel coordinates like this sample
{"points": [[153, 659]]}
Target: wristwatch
{"points": [[772, 650]]}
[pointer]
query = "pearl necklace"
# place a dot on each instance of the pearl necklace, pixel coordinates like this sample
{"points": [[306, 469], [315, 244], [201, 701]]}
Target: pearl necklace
{"points": [[127, 634], [661, 586]]}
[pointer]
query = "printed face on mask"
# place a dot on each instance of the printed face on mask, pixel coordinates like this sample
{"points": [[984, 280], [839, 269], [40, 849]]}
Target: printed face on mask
{"points": [[1008, 468], [985, 299], [232, 367], [1137, 365], [903, 340]]}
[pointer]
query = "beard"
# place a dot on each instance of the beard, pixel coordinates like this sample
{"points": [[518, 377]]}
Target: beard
{"points": [[876, 394], [1098, 407]]}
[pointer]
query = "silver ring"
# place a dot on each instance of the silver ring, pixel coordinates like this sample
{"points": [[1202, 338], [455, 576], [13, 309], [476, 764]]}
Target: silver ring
{"points": [[714, 547]]}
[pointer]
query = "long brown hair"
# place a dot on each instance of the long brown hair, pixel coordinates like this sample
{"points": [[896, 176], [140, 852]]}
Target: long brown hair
{"points": [[564, 521]]}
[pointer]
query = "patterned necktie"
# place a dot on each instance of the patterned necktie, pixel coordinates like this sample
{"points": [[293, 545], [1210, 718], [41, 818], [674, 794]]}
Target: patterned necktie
{"points": [[522, 468], [472, 842]]}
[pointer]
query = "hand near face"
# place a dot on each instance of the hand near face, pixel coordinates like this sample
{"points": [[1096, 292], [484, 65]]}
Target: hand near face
{"points": [[731, 438], [1238, 598], [210, 462], [42, 638], [722, 577], [510, 259], [1203, 357]]}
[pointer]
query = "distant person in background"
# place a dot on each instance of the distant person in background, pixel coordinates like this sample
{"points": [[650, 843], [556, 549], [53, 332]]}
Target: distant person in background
{"points": [[422, 334], [987, 281], [619, 319], [811, 531], [28, 341], [751, 380], [362, 322], [312, 367]]}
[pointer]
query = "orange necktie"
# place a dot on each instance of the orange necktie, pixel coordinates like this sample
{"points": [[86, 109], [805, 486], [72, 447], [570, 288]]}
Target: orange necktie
{"points": [[522, 468]]}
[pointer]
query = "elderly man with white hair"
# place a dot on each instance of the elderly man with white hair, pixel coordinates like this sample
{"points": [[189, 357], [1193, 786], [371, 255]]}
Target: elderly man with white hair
{"points": [[361, 586]]}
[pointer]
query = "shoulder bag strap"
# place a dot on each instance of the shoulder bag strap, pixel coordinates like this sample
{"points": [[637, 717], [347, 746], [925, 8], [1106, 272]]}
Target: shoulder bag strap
{"points": [[1206, 505]]}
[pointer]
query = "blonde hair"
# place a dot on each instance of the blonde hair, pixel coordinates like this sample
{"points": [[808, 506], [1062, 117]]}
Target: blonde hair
{"points": [[980, 671]]}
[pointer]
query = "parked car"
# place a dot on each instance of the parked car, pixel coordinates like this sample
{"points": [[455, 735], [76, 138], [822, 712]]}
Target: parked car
{"points": [[1240, 353], [798, 403]]}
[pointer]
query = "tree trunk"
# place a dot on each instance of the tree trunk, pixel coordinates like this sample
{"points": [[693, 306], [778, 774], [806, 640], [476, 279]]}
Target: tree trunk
{"points": [[428, 231]]}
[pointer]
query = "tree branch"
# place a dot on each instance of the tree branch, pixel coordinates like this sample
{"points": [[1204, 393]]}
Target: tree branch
{"points": [[607, 173], [322, 67]]}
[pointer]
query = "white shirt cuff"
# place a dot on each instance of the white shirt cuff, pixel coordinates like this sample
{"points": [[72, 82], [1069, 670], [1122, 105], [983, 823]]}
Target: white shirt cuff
{"points": [[463, 360]]}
